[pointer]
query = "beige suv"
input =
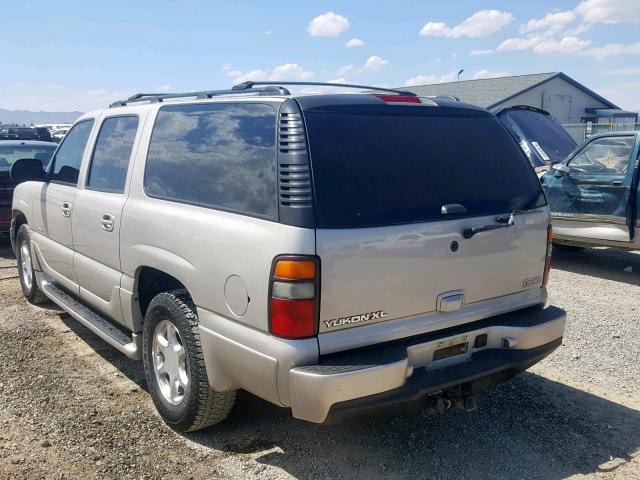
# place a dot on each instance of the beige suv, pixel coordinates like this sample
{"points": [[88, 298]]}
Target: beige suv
{"points": [[332, 253]]}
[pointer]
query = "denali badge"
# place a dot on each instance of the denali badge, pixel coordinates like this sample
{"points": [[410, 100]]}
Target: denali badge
{"points": [[532, 282], [363, 317]]}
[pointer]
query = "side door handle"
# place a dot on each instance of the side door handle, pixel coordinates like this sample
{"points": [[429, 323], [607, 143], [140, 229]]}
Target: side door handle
{"points": [[66, 209], [107, 222], [616, 183]]}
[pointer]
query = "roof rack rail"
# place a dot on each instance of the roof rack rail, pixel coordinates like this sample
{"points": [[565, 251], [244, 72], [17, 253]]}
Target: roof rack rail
{"points": [[249, 85], [449, 97], [159, 97]]}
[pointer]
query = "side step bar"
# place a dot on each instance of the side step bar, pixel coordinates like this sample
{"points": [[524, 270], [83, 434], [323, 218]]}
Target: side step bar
{"points": [[127, 344]]}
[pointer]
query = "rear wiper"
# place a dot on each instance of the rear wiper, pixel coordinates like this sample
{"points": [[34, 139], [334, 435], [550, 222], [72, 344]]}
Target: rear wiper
{"points": [[504, 221]]}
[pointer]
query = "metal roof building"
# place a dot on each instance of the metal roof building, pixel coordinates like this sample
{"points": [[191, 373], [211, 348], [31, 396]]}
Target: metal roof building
{"points": [[567, 100]]}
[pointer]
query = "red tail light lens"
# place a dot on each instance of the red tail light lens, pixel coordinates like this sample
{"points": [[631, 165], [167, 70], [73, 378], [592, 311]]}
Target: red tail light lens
{"points": [[294, 296], [398, 98], [547, 261]]}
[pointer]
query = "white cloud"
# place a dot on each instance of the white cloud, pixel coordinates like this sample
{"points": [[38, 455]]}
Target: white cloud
{"points": [[287, 71], [480, 24], [479, 53], [553, 21], [484, 73], [345, 69], [435, 29], [431, 78], [162, 88], [374, 63], [268, 32], [612, 49], [60, 98], [545, 45], [609, 11], [564, 45], [329, 24], [624, 71], [354, 42]]}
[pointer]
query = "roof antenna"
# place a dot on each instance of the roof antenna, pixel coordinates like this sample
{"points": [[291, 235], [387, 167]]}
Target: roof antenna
{"points": [[459, 73]]}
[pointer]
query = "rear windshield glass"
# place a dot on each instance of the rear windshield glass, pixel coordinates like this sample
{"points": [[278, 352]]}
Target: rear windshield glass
{"points": [[373, 170], [9, 155], [548, 141]]}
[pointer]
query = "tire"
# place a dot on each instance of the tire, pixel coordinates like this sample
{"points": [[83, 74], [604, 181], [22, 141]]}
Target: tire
{"points": [[26, 274], [568, 248], [193, 404]]}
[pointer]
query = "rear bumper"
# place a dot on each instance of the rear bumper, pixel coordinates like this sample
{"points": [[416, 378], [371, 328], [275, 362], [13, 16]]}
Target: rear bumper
{"points": [[5, 219], [403, 373]]}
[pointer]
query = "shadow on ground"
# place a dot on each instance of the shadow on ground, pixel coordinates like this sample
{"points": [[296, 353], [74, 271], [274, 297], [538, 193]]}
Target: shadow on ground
{"points": [[606, 263], [528, 428]]}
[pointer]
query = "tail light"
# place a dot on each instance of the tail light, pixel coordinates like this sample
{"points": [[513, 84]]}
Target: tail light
{"points": [[398, 98], [547, 260], [294, 294]]}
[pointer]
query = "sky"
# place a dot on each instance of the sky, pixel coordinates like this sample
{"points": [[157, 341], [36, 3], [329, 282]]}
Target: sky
{"points": [[79, 55]]}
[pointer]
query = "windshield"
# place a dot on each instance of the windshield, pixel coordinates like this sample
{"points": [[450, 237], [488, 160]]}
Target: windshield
{"points": [[373, 170], [546, 142], [10, 154]]}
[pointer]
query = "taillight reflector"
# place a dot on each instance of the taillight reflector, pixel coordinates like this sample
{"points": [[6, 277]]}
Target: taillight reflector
{"points": [[293, 318], [294, 292], [398, 98], [547, 260], [295, 269]]}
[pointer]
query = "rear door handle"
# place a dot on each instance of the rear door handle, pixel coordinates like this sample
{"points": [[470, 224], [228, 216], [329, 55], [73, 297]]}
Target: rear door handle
{"points": [[66, 209], [107, 222], [616, 183]]}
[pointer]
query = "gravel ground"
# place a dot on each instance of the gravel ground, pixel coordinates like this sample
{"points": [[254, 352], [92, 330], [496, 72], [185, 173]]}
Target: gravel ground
{"points": [[71, 407]]}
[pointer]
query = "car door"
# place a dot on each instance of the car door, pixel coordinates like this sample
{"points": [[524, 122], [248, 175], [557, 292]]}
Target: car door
{"points": [[53, 232], [96, 221], [591, 199]]}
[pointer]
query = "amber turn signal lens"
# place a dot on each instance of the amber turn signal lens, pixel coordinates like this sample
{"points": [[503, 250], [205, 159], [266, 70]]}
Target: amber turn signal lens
{"points": [[295, 269]]}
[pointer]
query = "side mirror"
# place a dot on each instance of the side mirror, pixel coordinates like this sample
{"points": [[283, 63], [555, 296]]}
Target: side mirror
{"points": [[560, 169], [27, 169]]}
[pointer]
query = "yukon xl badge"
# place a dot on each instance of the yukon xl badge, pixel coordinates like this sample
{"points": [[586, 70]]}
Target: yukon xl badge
{"points": [[363, 317]]}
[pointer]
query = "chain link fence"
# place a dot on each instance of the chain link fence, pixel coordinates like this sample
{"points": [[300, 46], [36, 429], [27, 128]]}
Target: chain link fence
{"points": [[581, 131]]}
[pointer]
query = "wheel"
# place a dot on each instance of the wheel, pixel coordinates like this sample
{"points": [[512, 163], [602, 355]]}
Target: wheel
{"points": [[568, 248], [26, 274], [174, 366]]}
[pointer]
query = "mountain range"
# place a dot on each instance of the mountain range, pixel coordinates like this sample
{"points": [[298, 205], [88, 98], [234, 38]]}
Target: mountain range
{"points": [[26, 117]]}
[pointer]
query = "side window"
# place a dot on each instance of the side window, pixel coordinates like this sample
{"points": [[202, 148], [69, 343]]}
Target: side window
{"points": [[604, 156], [220, 155], [111, 155], [66, 163]]}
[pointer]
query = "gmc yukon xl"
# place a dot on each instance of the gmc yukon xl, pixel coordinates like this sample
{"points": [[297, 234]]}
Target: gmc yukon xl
{"points": [[334, 253]]}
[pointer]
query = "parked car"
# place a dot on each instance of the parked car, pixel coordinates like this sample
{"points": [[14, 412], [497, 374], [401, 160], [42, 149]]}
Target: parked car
{"points": [[58, 135], [543, 140], [330, 253], [10, 152], [593, 194]]}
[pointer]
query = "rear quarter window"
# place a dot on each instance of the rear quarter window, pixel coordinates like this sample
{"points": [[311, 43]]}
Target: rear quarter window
{"points": [[215, 155]]}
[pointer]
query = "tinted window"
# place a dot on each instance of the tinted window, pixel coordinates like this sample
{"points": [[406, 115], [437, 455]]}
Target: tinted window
{"points": [[68, 159], [219, 155], [385, 169], [547, 141], [9, 155], [111, 154], [604, 156]]}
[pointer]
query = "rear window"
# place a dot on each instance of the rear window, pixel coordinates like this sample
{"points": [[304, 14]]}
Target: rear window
{"points": [[374, 170], [549, 141], [219, 155], [9, 155]]}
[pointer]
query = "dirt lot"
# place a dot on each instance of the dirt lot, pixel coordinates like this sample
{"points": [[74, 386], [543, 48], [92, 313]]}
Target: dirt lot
{"points": [[72, 407]]}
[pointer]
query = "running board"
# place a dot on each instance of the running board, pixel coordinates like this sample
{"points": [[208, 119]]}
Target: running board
{"points": [[127, 344]]}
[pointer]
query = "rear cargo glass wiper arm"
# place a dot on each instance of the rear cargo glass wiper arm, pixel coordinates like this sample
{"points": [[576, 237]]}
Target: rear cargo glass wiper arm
{"points": [[503, 222]]}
